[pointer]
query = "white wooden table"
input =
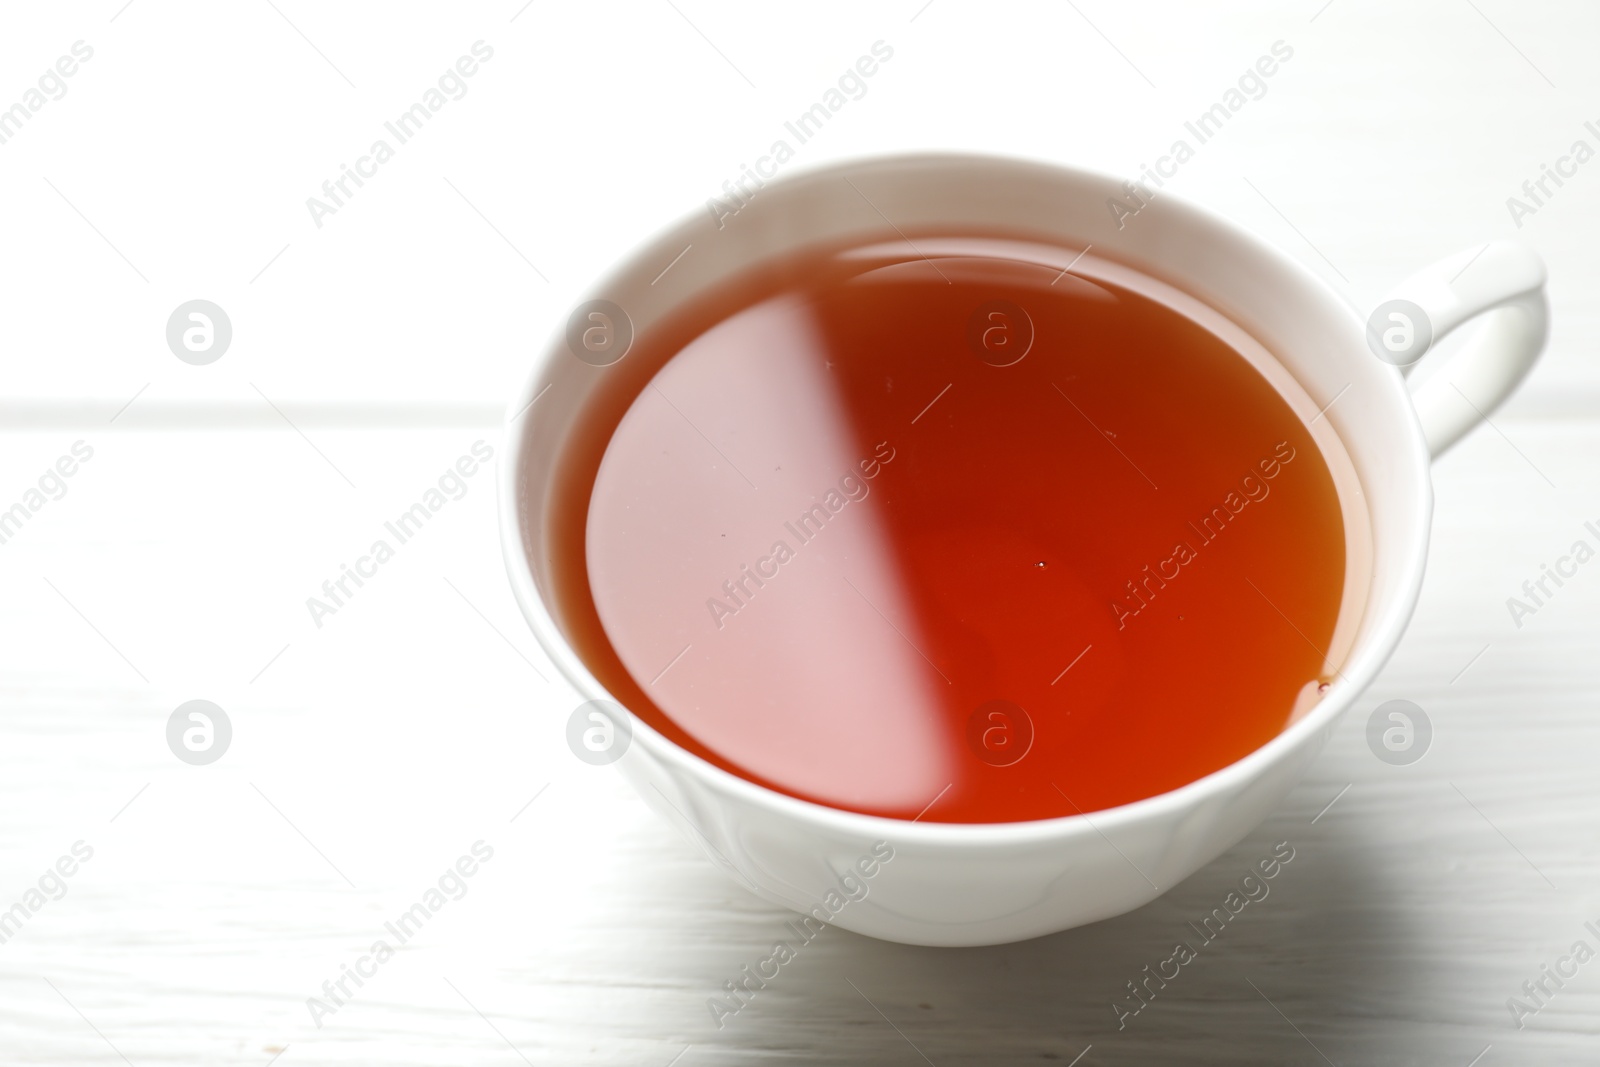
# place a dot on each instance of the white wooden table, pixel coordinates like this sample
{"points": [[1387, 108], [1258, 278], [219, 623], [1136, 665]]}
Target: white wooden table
{"points": [[372, 752]]}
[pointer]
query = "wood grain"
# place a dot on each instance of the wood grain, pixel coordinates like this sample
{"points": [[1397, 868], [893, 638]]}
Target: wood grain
{"points": [[372, 751]]}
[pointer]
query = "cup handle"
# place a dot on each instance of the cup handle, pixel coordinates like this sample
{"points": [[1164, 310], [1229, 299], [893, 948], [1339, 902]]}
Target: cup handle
{"points": [[1503, 283]]}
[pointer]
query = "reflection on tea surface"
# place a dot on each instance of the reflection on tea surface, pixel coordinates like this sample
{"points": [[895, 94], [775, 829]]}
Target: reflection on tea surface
{"points": [[963, 537]]}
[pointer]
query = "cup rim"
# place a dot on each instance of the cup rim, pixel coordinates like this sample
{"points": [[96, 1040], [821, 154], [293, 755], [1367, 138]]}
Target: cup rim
{"points": [[1366, 658]]}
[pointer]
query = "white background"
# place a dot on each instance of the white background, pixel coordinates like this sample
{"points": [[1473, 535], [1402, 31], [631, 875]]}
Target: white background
{"points": [[370, 753]]}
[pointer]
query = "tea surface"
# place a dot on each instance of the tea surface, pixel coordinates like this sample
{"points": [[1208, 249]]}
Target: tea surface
{"points": [[964, 538]]}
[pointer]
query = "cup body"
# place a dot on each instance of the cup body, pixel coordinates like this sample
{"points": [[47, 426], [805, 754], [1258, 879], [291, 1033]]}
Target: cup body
{"points": [[976, 884]]}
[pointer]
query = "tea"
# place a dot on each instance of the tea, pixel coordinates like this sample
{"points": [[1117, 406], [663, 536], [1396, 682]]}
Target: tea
{"points": [[961, 537]]}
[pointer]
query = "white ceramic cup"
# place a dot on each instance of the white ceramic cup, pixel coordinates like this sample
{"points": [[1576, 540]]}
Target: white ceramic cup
{"points": [[979, 884]]}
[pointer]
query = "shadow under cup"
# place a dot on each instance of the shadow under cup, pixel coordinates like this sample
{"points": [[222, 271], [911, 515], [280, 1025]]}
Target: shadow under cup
{"points": [[666, 484]]}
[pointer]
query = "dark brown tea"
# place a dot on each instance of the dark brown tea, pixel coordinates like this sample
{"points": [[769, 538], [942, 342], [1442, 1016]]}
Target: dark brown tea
{"points": [[957, 537]]}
